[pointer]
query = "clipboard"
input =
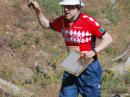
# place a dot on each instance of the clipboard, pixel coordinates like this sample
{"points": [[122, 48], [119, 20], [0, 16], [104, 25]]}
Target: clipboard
{"points": [[74, 65]]}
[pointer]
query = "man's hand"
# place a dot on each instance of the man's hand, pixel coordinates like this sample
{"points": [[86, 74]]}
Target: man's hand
{"points": [[34, 4], [87, 54]]}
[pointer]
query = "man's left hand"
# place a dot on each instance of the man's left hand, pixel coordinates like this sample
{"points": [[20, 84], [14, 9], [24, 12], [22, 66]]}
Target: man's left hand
{"points": [[88, 54]]}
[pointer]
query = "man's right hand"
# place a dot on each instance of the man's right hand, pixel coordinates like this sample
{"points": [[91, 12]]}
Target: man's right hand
{"points": [[34, 4], [44, 22]]}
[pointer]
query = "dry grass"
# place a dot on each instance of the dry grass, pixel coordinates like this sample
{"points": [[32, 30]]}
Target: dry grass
{"points": [[23, 42]]}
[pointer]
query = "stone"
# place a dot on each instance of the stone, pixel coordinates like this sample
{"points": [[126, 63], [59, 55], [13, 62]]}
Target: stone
{"points": [[23, 74]]}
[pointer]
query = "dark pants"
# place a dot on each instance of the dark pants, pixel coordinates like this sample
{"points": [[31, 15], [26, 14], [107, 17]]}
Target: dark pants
{"points": [[87, 84]]}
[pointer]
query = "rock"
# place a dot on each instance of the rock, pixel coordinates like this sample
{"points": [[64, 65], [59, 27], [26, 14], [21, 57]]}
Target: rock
{"points": [[122, 68], [11, 90], [23, 75], [114, 2], [128, 61]]}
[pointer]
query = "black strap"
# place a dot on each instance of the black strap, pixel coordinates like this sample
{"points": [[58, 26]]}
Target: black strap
{"points": [[93, 43]]}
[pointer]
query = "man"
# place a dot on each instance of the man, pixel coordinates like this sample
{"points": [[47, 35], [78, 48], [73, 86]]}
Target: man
{"points": [[79, 31]]}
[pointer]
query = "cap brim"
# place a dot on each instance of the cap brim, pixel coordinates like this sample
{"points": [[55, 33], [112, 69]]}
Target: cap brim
{"points": [[62, 3]]}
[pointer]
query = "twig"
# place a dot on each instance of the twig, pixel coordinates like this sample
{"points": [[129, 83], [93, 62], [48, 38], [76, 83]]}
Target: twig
{"points": [[122, 55]]}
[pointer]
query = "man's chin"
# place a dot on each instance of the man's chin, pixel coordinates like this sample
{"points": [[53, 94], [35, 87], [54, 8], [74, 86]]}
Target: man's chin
{"points": [[68, 18]]}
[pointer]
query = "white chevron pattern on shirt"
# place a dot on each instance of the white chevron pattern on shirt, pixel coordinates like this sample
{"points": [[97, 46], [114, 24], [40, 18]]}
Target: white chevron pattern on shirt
{"points": [[77, 36]]}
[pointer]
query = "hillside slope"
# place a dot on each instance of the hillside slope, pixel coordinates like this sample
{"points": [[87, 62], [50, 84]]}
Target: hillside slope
{"points": [[23, 43]]}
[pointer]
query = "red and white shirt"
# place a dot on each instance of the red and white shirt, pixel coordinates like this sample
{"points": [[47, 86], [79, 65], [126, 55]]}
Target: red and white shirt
{"points": [[80, 33]]}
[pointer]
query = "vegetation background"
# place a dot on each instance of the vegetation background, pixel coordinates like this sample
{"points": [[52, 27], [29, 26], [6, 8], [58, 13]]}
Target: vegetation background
{"points": [[24, 44]]}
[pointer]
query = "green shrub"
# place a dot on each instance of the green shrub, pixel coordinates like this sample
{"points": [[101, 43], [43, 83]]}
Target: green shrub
{"points": [[30, 38], [15, 44], [127, 78], [2, 33], [51, 6], [114, 85], [16, 3], [92, 12], [111, 12]]}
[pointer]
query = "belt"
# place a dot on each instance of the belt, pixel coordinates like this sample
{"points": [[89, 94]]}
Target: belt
{"points": [[77, 49], [73, 48]]}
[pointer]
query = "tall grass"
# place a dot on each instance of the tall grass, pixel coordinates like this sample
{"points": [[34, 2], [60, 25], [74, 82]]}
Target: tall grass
{"points": [[115, 85], [16, 3], [92, 12], [112, 11], [54, 46], [51, 6]]}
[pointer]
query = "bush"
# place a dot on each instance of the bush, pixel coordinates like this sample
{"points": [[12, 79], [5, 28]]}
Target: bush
{"points": [[16, 3], [112, 12], [51, 6], [92, 12]]}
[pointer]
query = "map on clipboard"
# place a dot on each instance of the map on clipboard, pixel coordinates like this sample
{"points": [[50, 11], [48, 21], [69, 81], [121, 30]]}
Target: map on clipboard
{"points": [[74, 65]]}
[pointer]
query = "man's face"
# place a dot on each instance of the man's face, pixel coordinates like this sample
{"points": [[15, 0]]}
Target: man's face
{"points": [[70, 11]]}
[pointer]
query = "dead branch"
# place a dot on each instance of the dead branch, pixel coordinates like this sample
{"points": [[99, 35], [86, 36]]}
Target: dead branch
{"points": [[122, 55]]}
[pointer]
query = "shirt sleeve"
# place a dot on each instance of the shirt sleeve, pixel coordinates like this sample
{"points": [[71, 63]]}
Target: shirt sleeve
{"points": [[96, 29], [56, 24]]}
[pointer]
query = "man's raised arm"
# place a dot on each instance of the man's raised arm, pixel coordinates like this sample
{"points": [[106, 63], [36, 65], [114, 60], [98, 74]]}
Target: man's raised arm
{"points": [[41, 18]]}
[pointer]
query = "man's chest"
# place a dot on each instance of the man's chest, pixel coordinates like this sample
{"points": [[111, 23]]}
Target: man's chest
{"points": [[76, 32]]}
